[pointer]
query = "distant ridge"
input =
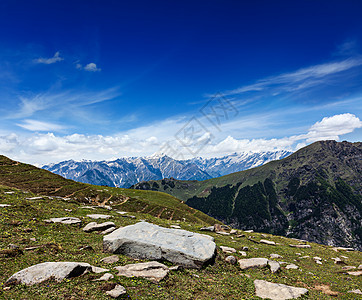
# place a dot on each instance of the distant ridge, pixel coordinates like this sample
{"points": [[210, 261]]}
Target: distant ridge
{"points": [[127, 171], [314, 194]]}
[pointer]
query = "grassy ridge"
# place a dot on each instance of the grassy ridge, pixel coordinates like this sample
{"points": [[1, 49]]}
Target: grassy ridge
{"points": [[23, 221], [38, 181]]}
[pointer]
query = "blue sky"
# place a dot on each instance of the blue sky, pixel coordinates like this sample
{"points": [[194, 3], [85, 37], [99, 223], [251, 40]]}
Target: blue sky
{"points": [[105, 79]]}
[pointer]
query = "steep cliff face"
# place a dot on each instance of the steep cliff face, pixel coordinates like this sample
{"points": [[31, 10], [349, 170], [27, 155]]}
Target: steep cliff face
{"points": [[314, 194]]}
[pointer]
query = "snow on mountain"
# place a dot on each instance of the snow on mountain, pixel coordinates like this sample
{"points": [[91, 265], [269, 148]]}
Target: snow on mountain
{"points": [[126, 171]]}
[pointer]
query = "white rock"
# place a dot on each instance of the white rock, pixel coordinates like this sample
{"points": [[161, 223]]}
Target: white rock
{"points": [[117, 291], [300, 246], [317, 258], [44, 271], [152, 270], [276, 291], [267, 242], [231, 259], [243, 253], [99, 270], [110, 259], [227, 249], [257, 262], [5, 205], [175, 226], [65, 220], [291, 266], [209, 228], [93, 226], [148, 241], [357, 291], [105, 277], [109, 230], [273, 255], [274, 266], [98, 216]]}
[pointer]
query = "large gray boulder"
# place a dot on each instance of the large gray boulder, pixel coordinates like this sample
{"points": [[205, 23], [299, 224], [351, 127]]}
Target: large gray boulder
{"points": [[277, 291], [44, 271], [148, 241]]}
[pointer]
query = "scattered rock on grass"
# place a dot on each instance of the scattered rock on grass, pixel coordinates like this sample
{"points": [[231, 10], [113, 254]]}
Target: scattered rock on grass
{"points": [[231, 259], [358, 291], [152, 270], [105, 277], [5, 205], [274, 266], [44, 271], [117, 291], [257, 262], [300, 246], [99, 270], [98, 216], [227, 249], [93, 226], [276, 291], [273, 255], [209, 228], [64, 220], [292, 266], [267, 242], [110, 259]]}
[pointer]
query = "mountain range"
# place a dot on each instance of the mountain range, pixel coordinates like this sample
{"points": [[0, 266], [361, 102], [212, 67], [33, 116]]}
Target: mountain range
{"points": [[125, 172], [314, 194]]}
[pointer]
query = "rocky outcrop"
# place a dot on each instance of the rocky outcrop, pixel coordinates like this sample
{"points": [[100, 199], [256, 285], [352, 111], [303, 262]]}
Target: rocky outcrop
{"points": [[148, 241]]}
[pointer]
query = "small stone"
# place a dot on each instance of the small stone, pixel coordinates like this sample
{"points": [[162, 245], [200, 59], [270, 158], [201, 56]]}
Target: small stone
{"points": [[175, 226], [105, 277], [359, 267], [292, 266], [300, 246], [231, 259], [337, 249], [348, 268], [245, 248], [117, 291], [305, 256], [175, 268], [5, 205], [338, 261], [152, 270], [99, 270], [249, 231], [109, 230], [274, 266], [98, 216], [267, 242], [243, 253], [222, 233], [209, 228], [318, 262], [277, 291], [358, 291], [227, 249], [13, 246], [33, 239], [93, 226], [248, 263], [273, 255], [317, 258], [110, 259], [68, 210], [233, 231], [355, 273], [64, 220], [86, 248], [121, 212]]}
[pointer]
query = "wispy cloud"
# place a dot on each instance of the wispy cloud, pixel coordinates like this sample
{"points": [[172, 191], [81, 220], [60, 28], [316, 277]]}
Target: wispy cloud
{"points": [[50, 60], [91, 67], [299, 79], [34, 125], [29, 105]]}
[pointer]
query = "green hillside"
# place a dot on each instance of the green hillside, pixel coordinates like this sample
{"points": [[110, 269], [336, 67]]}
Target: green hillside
{"points": [[314, 194], [41, 182]]}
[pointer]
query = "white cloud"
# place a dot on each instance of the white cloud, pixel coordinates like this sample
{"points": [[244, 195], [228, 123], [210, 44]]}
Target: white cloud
{"points": [[40, 148], [34, 125], [333, 127], [49, 61], [92, 67]]}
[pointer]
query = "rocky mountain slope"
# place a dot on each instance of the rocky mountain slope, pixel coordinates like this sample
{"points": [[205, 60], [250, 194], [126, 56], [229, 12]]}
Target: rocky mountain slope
{"points": [[125, 172], [313, 194]]}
